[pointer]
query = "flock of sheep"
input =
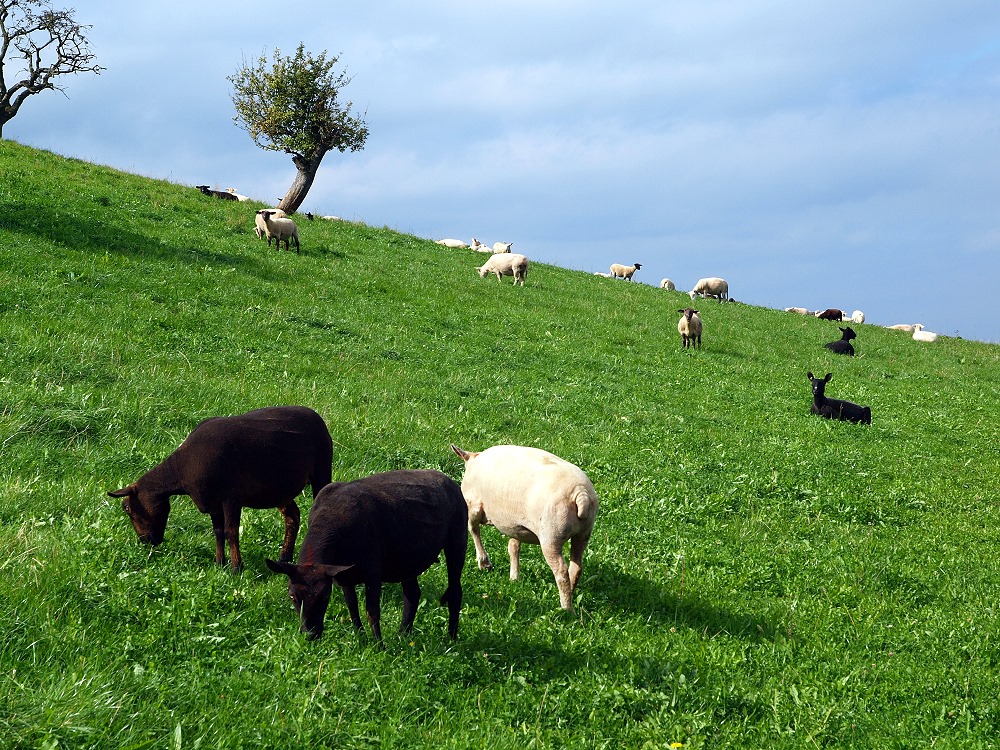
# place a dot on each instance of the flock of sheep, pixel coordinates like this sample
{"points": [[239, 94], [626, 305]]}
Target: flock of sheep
{"points": [[385, 527], [361, 532], [275, 224], [857, 316]]}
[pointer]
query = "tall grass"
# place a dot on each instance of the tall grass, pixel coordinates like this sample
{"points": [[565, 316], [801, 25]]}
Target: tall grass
{"points": [[758, 576]]}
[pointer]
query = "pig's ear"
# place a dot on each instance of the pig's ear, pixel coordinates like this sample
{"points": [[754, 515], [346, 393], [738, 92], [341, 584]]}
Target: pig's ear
{"points": [[287, 569], [333, 570]]}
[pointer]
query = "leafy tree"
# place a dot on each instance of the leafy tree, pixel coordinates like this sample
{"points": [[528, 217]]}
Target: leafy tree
{"points": [[291, 105], [38, 45]]}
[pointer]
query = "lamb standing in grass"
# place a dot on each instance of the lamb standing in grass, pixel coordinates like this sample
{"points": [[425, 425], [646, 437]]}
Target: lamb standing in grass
{"points": [[532, 496], [502, 247], [280, 229], [668, 285], [259, 229], [689, 327], [619, 271], [506, 264]]}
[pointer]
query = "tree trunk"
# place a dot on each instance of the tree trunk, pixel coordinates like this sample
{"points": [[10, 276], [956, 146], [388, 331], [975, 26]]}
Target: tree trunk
{"points": [[307, 168]]}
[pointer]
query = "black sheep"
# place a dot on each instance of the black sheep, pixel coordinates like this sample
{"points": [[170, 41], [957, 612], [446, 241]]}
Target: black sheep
{"points": [[843, 345], [220, 194], [384, 527], [830, 313], [261, 459], [832, 408]]}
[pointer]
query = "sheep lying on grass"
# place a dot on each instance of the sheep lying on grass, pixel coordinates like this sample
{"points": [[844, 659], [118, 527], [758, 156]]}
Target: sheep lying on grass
{"points": [[689, 327], [667, 284], [843, 344], [921, 335], [239, 197], [450, 243], [833, 408], [799, 310], [531, 496], [280, 229], [618, 271], [506, 264], [222, 194]]}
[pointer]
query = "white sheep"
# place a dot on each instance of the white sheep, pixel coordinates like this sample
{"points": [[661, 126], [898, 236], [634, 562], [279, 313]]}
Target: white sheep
{"points": [[502, 247], [532, 496], [450, 243], [259, 228], [624, 272], [799, 310], [712, 286], [908, 327], [921, 335], [689, 327], [480, 247], [857, 317], [280, 228], [668, 285], [232, 191], [602, 274], [506, 264]]}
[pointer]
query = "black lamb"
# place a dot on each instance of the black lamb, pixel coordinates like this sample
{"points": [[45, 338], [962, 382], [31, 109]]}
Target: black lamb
{"points": [[843, 345], [833, 408]]}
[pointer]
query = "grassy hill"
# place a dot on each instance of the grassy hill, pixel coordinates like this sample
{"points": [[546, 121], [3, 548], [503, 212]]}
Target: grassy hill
{"points": [[758, 576]]}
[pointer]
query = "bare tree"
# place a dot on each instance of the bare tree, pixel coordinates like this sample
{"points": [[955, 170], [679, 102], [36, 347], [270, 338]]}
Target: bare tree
{"points": [[38, 45], [291, 105]]}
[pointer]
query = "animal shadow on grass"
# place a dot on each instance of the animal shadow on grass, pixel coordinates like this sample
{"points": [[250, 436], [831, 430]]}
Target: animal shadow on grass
{"points": [[76, 232], [611, 589]]}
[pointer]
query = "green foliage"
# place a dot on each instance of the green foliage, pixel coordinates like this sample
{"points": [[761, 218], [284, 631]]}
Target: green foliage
{"points": [[758, 577], [291, 105]]}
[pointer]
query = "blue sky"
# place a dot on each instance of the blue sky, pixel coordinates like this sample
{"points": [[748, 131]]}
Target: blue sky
{"points": [[814, 154]]}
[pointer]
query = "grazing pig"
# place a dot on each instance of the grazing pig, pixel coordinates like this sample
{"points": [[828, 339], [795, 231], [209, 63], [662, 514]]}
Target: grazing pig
{"points": [[385, 527], [261, 459], [531, 496]]}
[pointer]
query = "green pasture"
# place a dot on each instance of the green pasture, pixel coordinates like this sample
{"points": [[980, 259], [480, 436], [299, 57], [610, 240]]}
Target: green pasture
{"points": [[758, 577]]}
